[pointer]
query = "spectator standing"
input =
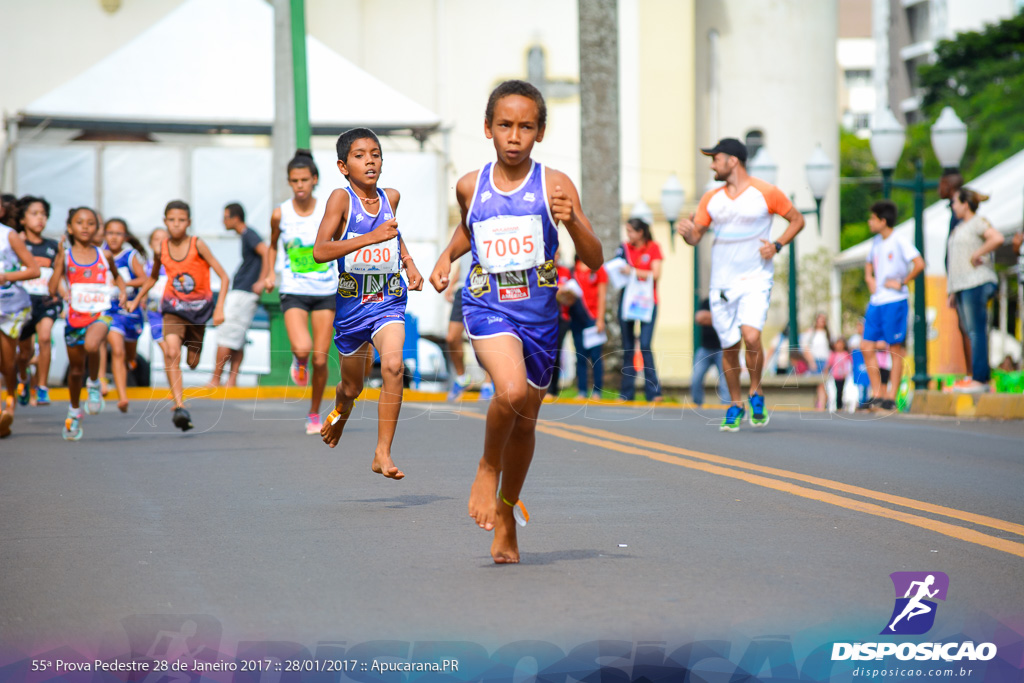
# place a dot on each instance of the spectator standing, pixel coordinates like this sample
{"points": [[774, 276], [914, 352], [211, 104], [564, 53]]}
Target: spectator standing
{"points": [[240, 305], [840, 366], [586, 313], [709, 353], [644, 258], [892, 264], [817, 346], [971, 281]]}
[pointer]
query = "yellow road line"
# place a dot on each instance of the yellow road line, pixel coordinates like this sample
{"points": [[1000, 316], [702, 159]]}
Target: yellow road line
{"points": [[944, 528], [702, 465], [971, 517]]}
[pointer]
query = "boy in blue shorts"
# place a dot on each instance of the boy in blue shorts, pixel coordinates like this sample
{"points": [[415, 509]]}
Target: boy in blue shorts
{"points": [[360, 231], [892, 264], [510, 213]]}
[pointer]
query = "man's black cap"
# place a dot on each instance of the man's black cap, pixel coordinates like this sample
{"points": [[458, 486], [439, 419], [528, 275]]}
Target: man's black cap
{"points": [[730, 146]]}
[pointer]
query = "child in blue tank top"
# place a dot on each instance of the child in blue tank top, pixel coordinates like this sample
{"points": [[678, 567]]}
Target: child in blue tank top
{"points": [[360, 231], [510, 213]]}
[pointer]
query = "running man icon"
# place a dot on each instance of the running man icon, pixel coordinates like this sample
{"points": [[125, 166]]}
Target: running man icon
{"points": [[919, 589]]}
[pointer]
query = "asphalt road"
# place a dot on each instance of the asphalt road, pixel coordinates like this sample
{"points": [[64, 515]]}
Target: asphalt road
{"points": [[646, 525]]}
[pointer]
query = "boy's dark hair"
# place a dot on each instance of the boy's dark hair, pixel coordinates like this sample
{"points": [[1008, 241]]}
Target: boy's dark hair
{"points": [[21, 207], [235, 210], [128, 236], [640, 225], [7, 209], [71, 214], [177, 204], [515, 87], [345, 140], [885, 210], [303, 159]]}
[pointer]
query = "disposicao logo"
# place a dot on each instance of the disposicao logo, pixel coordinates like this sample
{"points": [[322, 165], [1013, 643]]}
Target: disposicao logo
{"points": [[914, 611], [913, 614]]}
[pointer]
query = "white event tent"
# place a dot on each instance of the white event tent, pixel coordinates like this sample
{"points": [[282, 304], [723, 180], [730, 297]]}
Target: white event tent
{"points": [[185, 110], [1004, 184]]}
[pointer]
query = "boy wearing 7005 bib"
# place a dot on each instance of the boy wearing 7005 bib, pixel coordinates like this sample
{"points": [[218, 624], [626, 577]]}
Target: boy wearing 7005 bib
{"points": [[510, 213], [360, 232]]}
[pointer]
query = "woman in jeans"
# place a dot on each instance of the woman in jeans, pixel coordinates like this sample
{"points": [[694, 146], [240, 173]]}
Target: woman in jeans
{"points": [[971, 281], [644, 257]]}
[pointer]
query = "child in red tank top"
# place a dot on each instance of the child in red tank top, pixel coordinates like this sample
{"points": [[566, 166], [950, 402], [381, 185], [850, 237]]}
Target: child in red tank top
{"points": [[85, 268]]}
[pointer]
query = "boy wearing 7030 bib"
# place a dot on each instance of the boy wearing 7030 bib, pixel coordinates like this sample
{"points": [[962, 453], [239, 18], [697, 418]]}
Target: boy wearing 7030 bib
{"points": [[360, 232]]}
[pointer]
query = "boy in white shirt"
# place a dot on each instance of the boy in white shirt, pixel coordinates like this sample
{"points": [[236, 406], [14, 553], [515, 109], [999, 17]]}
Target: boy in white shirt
{"points": [[892, 264]]}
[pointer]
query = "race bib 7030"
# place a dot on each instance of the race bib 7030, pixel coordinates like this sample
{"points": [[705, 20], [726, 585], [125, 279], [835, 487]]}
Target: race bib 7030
{"points": [[375, 258]]}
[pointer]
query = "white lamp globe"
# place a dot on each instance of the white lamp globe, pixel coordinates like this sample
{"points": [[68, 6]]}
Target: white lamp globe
{"points": [[763, 166], [819, 170], [672, 197], [949, 138], [887, 140]]}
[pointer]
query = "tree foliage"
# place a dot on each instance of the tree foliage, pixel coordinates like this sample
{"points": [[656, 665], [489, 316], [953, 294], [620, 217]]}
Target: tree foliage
{"points": [[980, 74]]}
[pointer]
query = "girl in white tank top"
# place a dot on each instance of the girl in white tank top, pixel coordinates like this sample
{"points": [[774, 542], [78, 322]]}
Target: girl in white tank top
{"points": [[301, 274]]}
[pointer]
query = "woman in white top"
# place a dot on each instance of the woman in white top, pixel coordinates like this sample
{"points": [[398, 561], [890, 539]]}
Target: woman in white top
{"points": [[971, 281], [307, 288], [817, 346]]}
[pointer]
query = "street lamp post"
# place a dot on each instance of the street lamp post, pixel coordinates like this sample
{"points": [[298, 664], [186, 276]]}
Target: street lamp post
{"points": [[672, 197], [949, 141], [819, 175]]}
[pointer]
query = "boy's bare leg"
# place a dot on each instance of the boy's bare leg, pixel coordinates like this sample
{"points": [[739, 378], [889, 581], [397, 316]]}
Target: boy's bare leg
{"points": [[346, 393], [755, 357], [172, 366], [389, 341], [236, 364], [515, 463], [502, 357], [323, 333], [867, 349], [119, 365], [101, 369], [896, 352], [223, 357], [44, 331], [9, 368], [731, 370]]}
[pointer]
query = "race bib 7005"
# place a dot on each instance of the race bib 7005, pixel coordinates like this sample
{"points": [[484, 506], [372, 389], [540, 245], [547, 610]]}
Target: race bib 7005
{"points": [[506, 243]]}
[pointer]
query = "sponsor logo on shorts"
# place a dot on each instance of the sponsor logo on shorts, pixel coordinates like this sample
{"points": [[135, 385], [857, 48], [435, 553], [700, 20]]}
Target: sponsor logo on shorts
{"points": [[373, 288], [547, 274], [395, 287], [347, 286], [513, 286], [479, 282], [492, 319]]}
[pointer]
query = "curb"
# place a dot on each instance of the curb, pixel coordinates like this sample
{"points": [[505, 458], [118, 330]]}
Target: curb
{"points": [[990, 406]]}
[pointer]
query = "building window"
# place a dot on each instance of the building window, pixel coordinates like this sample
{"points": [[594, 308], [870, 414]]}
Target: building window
{"points": [[919, 23], [754, 141], [858, 78]]}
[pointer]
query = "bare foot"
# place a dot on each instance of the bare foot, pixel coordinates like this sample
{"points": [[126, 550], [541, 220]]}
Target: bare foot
{"points": [[122, 405], [483, 496], [382, 464], [213, 384], [331, 431], [505, 547]]}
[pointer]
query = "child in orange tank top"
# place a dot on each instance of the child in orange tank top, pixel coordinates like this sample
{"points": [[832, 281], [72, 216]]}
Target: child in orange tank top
{"points": [[187, 303]]}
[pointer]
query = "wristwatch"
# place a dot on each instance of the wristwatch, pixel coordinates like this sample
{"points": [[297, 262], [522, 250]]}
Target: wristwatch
{"points": [[778, 247]]}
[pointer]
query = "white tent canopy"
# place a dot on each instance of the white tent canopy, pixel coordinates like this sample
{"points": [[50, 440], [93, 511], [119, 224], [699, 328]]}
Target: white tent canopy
{"points": [[1004, 184], [208, 66]]}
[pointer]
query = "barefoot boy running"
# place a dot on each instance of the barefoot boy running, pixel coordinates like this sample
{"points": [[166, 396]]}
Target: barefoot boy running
{"points": [[360, 231], [511, 208]]}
